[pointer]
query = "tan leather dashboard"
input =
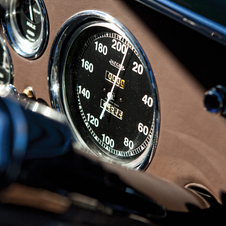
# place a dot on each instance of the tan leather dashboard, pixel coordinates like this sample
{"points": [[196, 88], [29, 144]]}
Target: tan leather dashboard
{"points": [[191, 146]]}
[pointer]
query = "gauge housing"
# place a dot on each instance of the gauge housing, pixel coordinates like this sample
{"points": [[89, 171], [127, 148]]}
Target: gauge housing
{"points": [[16, 23], [86, 23]]}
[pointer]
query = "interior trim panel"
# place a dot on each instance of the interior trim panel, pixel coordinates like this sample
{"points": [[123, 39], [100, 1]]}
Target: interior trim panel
{"points": [[190, 147]]}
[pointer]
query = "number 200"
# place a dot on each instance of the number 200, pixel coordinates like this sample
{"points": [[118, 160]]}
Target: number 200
{"points": [[119, 46]]}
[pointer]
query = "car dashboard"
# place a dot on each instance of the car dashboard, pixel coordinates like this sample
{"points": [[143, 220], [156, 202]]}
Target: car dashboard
{"points": [[186, 157]]}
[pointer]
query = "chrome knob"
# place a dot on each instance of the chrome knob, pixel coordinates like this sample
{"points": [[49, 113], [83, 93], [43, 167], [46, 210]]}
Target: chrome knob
{"points": [[215, 99]]}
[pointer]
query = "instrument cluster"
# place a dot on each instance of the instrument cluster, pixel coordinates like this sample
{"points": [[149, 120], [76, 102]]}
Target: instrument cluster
{"points": [[113, 67], [99, 76]]}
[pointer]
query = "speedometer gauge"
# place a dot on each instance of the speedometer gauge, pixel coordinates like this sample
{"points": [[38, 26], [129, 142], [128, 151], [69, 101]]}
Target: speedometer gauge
{"points": [[26, 27], [102, 80]]}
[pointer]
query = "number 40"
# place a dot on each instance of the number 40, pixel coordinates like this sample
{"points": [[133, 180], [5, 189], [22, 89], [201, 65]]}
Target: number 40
{"points": [[147, 100]]}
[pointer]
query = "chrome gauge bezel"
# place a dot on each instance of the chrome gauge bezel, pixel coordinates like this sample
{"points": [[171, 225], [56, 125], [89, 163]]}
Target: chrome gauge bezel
{"points": [[18, 42], [9, 59], [73, 26]]}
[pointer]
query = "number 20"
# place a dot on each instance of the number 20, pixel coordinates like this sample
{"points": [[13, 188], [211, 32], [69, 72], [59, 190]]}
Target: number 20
{"points": [[138, 68]]}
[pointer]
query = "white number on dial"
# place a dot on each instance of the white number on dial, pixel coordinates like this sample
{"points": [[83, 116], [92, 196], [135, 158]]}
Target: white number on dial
{"points": [[128, 143], [101, 48], [107, 140], [85, 92], [143, 129], [87, 65], [94, 121], [147, 100], [138, 68], [119, 46]]}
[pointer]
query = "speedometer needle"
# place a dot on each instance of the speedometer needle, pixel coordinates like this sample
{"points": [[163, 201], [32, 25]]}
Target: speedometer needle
{"points": [[110, 94], [30, 11]]}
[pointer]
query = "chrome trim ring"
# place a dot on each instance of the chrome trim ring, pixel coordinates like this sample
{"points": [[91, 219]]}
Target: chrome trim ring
{"points": [[57, 85]]}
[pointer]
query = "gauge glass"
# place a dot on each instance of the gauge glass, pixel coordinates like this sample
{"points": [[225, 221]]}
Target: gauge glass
{"points": [[29, 19], [27, 27], [6, 68], [109, 94]]}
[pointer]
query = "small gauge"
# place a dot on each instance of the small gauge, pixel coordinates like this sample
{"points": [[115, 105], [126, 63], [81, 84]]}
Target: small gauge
{"points": [[108, 90], [26, 27], [6, 67]]}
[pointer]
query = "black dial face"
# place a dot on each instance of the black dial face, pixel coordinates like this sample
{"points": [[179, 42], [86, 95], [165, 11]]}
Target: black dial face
{"points": [[109, 93], [5, 64], [29, 19]]}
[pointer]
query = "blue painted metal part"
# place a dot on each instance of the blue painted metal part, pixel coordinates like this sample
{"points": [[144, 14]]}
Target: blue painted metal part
{"points": [[25, 134]]}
